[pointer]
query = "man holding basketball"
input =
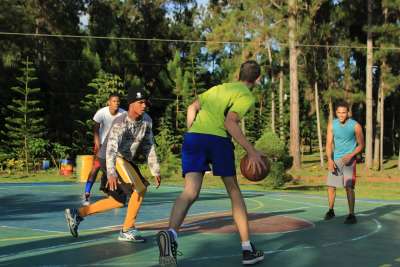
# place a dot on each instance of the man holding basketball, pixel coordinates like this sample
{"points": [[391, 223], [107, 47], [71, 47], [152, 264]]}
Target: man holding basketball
{"points": [[211, 120], [344, 140]]}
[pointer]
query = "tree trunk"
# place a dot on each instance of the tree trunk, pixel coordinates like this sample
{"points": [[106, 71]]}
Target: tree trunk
{"points": [[384, 69], [321, 151], [369, 97], [193, 77], [330, 104], [281, 122], [273, 108], [177, 111], [294, 90], [273, 128], [393, 129], [377, 152], [382, 125], [347, 82]]}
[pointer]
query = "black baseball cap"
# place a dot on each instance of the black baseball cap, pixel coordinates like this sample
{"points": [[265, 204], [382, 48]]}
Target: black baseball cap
{"points": [[136, 94]]}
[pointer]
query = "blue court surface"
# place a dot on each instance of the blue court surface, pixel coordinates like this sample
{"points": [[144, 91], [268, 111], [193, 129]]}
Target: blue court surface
{"points": [[288, 227]]}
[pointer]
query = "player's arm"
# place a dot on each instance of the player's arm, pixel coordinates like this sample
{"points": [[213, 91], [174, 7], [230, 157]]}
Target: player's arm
{"points": [[96, 134], [329, 146], [114, 139], [360, 144], [232, 125], [149, 150], [192, 112]]}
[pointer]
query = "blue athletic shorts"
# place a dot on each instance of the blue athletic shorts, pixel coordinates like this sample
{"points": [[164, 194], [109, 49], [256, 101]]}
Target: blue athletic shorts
{"points": [[199, 151]]}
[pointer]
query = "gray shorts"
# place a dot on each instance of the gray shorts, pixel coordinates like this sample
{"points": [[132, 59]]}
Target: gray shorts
{"points": [[344, 175]]}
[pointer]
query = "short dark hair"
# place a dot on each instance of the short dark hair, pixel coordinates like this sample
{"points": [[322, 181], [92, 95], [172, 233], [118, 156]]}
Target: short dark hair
{"points": [[113, 95], [249, 71], [343, 104]]}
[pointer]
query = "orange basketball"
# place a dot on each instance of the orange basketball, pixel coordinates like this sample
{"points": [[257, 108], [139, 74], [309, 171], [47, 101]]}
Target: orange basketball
{"points": [[253, 175]]}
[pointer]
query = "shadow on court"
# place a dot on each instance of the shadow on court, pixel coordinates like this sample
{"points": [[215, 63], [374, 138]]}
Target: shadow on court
{"points": [[305, 187], [67, 251]]}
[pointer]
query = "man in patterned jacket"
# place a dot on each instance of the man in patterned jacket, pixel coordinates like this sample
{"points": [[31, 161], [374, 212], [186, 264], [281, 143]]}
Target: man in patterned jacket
{"points": [[130, 135]]}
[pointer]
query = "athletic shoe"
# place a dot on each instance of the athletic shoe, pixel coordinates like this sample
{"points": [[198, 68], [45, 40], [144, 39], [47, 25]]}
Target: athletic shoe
{"points": [[132, 235], [252, 257], [73, 221], [329, 215], [350, 219], [168, 249]]}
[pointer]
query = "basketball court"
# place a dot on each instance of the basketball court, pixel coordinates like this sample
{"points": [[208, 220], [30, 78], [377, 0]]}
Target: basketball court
{"points": [[287, 226]]}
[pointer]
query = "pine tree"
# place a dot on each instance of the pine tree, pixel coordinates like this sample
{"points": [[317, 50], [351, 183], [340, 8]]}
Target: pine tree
{"points": [[25, 124], [180, 79]]}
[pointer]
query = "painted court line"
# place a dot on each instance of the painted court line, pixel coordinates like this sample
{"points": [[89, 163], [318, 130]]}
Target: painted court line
{"points": [[34, 229]]}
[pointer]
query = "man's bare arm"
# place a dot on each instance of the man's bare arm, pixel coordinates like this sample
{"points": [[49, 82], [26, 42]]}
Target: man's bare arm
{"points": [[231, 124], [96, 134], [329, 147], [192, 112]]}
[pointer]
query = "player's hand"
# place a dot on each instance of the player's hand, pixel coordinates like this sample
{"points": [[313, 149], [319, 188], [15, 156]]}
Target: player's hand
{"points": [[346, 159], [255, 161], [157, 181], [331, 165], [112, 183]]}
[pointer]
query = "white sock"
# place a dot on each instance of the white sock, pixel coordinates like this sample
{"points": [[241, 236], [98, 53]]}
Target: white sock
{"points": [[174, 233], [246, 245]]}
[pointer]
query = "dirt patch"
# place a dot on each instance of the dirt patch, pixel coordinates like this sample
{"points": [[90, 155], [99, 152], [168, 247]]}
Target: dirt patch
{"points": [[259, 223]]}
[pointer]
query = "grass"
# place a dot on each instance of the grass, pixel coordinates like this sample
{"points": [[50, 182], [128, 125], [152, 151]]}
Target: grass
{"points": [[311, 168], [310, 179], [48, 176]]}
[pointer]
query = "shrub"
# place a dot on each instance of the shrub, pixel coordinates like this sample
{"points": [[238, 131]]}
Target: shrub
{"points": [[270, 144], [13, 165]]}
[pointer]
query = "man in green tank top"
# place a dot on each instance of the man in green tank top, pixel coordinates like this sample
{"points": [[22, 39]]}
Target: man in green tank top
{"points": [[344, 140]]}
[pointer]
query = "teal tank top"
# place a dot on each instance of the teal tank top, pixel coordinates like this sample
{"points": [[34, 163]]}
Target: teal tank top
{"points": [[344, 138]]}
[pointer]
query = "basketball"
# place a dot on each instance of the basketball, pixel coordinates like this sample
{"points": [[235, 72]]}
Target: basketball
{"points": [[253, 175]]}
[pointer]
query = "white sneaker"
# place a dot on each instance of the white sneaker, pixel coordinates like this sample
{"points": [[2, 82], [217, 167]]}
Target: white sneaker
{"points": [[132, 235]]}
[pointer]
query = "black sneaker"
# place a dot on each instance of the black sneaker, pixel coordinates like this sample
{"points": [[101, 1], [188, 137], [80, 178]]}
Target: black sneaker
{"points": [[73, 221], [329, 215], [252, 257], [168, 249], [350, 219]]}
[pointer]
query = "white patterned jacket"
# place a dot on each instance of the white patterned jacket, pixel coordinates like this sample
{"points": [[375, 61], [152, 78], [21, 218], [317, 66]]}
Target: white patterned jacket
{"points": [[128, 137]]}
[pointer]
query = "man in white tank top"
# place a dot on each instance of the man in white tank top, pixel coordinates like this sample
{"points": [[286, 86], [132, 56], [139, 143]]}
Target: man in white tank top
{"points": [[103, 119]]}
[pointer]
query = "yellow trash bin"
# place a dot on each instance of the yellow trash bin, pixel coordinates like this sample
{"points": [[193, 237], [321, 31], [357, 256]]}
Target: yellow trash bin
{"points": [[84, 165]]}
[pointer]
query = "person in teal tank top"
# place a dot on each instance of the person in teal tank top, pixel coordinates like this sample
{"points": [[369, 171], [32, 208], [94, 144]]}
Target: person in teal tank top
{"points": [[344, 140]]}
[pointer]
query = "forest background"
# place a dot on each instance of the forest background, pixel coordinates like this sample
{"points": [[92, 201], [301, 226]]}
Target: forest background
{"points": [[59, 60]]}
